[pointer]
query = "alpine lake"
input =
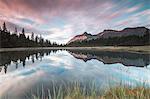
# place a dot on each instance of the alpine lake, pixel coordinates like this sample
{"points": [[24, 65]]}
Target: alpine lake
{"points": [[25, 72]]}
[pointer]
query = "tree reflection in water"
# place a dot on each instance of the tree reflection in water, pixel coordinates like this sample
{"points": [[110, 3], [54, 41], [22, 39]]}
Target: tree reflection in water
{"points": [[107, 57], [17, 57]]}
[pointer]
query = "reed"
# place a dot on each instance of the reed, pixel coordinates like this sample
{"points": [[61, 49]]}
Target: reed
{"points": [[79, 91]]}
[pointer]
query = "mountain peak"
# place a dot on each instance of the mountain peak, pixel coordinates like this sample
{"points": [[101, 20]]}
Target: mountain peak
{"points": [[85, 33], [138, 31], [79, 37]]}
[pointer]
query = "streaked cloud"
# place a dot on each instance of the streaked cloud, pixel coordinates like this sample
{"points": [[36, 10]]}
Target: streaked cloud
{"points": [[59, 20]]}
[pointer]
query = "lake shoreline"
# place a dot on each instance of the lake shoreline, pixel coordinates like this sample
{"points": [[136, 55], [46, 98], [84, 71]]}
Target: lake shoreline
{"points": [[133, 49]]}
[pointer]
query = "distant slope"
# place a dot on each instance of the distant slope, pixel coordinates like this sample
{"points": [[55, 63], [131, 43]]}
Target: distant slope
{"points": [[82, 37], [127, 36], [138, 31]]}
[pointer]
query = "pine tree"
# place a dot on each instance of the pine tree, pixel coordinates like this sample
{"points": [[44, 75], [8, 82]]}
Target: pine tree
{"points": [[15, 31], [41, 40], [0, 28], [28, 38], [36, 39], [23, 31], [32, 36], [23, 34], [4, 27]]}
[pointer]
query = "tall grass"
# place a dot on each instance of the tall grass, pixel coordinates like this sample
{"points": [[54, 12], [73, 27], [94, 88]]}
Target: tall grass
{"points": [[91, 91]]}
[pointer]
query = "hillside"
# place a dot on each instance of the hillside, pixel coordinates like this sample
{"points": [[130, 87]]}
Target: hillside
{"points": [[125, 37]]}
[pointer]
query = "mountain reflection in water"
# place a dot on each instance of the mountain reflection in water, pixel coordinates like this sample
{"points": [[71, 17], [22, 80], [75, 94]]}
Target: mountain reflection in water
{"points": [[107, 57], [23, 71]]}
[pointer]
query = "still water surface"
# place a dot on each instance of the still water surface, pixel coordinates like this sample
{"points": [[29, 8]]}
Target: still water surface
{"points": [[23, 71]]}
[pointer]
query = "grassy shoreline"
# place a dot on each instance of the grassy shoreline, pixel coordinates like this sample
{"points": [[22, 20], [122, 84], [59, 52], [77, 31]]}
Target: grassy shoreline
{"points": [[76, 92], [133, 49]]}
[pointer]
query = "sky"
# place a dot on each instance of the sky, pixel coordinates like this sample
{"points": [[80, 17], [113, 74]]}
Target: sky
{"points": [[60, 20]]}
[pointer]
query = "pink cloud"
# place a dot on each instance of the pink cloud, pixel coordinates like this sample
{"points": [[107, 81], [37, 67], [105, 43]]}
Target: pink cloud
{"points": [[88, 15], [16, 9]]}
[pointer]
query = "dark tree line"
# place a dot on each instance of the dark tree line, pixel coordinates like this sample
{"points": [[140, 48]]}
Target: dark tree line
{"points": [[15, 39], [132, 40]]}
